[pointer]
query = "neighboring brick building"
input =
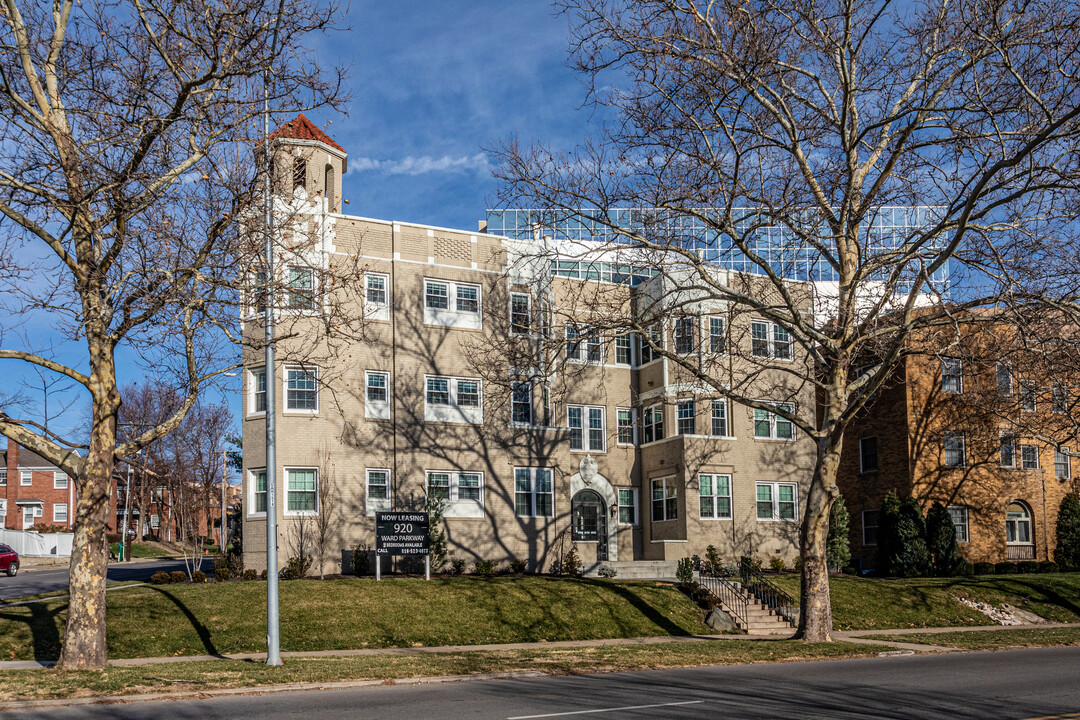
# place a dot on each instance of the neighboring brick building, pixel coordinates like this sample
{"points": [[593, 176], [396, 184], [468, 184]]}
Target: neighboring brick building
{"points": [[36, 493], [626, 451], [972, 426]]}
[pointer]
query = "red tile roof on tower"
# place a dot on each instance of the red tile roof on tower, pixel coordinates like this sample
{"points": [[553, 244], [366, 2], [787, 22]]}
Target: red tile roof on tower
{"points": [[300, 128]]}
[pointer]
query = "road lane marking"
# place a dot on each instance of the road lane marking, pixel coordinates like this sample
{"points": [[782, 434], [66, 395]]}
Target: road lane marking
{"points": [[605, 710]]}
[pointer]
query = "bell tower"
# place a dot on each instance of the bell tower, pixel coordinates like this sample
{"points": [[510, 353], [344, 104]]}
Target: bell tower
{"points": [[308, 163]]}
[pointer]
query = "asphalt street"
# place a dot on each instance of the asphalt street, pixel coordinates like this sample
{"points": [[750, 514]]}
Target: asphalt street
{"points": [[32, 582], [1038, 683]]}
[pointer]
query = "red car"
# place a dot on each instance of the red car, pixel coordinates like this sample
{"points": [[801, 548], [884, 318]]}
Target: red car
{"points": [[9, 560]]}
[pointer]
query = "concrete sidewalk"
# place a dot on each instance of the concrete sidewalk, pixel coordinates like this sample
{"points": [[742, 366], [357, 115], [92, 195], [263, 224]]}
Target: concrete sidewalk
{"points": [[855, 636]]}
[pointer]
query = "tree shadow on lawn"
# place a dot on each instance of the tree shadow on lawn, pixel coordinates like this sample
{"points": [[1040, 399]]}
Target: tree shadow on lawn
{"points": [[201, 630], [42, 623]]}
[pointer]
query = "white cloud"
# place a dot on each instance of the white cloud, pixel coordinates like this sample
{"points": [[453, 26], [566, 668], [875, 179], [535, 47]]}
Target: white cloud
{"points": [[421, 165]]}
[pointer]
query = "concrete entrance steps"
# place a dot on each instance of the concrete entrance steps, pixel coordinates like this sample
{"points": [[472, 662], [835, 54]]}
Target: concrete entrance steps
{"points": [[761, 619], [636, 569]]}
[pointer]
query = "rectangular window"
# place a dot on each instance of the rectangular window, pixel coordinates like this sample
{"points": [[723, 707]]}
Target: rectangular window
{"points": [[686, 418], [714, 496], [155, 522], [870, 527], [453, 486], [301, 491], [520, 313], [684, 335], [1059, 399], [627, 427], [769, 340], [533, 492], [378, 490], [1029, 457], [952, 376], [452, 304], [258, 492], [954, 445], [1008, 451], [593, 437], [301, 389], [1062, 464], [26, 477], [959, 514], [60, 481], [868, 455], [436, 295], [521, 403], [649, 344], [653, 425], [468, 298], [665, 499], [301, 291], [59, 512], [1004, 380], [777, 501], [438, 484], [468, 393], [623, 350], [378, 386], [258, 391], [583, 344], [1028, 396], [438, 391], [717, 337], [769, 425], [375, 288], [3, 476], [627, 506], [719, 418]]}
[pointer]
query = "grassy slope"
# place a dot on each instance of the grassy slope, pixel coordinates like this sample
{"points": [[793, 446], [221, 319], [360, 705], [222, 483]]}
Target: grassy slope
{"points": [[343, 614], [870, 603], [992, 639]]}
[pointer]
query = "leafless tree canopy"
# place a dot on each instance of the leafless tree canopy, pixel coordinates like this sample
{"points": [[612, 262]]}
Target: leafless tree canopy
{"points": [[778, 135]]}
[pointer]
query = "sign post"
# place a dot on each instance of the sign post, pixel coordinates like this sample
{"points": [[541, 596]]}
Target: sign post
{"points": [[402, 533]]}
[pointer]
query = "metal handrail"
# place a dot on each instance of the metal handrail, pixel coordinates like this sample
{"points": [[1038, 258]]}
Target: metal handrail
{"points": [[768, 594], [732, 599]]}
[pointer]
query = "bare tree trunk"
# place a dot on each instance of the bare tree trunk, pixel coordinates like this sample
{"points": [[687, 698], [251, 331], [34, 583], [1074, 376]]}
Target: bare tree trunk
{"points": [[815, 617]]}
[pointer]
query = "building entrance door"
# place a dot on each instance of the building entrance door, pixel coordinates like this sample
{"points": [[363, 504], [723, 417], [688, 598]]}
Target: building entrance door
{"points": [[589, 520], [27, 517]]}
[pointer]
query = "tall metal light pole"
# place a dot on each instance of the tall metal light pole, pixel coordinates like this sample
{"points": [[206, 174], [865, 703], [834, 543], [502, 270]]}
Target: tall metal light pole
{"points": [[273, 642], [224, 478]]}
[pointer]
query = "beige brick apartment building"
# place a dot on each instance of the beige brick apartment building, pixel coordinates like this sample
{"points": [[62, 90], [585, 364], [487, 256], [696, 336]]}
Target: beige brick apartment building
{"points": [[482, 378]]}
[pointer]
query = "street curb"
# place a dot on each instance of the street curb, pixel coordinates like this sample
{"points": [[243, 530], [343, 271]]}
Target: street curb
{"points": [[264, 689]]}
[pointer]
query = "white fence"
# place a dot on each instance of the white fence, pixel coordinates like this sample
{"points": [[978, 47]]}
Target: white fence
{"points": [[35, 544]]}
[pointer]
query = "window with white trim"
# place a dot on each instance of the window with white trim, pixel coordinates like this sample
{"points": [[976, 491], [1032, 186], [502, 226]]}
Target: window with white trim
{"points": [[155, 522], [1004, 379], [717, 335], [583, 344], [870, 527], [624, 350], [868, 454], [1062, 464], [1059, 398], [257, 489], [301, 389], [686, 418], [587, 427], [60, 512], [720, 419], [1028, 396], [626, 418], [451, 303], [452, 399], [684, 335], [769, 340], [377, 394], [1029, 457], [952, 375], [714, 496], [3, 476], [533, 492], [300, 294], [378, 490], [770, 426], [627, 498], [777, 501], [646, 351], [520, 313], [665, 499], [301, 491], [256, 391], [377, 296], [521, 409], [1008, 451], [26, 477], [461, 492], [653, 424], [959, 515], [60, 480], [954, 445]]}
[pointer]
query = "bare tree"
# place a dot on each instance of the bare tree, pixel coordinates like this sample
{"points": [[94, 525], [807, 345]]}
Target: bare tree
{"points": [[875, 149], [327, 523], [125, 171]]}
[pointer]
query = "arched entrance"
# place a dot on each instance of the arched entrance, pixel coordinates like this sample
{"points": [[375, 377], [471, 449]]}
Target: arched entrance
{"points": [[1018, 538], [588, 513]]}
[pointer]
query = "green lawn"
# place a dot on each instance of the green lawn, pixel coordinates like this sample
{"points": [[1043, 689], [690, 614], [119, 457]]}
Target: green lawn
{"points": [[206, 675], [991, 639], [147, 550], [352, 613], [872, 603]]}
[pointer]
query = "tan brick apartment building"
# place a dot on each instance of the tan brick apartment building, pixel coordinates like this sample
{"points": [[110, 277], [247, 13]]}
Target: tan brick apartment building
{"points": [[977, 423], [445, 395]]}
